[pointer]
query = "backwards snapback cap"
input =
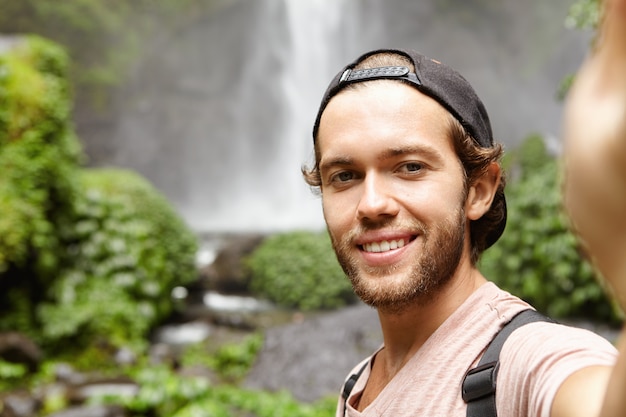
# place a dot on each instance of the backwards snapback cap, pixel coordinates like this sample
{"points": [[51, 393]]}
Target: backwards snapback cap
{"points": [[434, 79]]}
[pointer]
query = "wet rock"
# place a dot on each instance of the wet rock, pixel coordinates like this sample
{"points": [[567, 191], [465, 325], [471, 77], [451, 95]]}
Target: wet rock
{"points": [[162, 353], [66, 374], [236, 311], [17, 348], [226, 274], [18, 404], [312, 357], [99, 388], [183, 333], [125, 357]]}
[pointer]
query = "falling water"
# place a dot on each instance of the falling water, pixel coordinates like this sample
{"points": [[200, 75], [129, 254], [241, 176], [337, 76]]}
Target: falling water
{"points": [[218, 117]]}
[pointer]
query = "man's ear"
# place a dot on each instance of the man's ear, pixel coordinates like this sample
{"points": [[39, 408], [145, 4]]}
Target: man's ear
{"points": [[482, 192]]}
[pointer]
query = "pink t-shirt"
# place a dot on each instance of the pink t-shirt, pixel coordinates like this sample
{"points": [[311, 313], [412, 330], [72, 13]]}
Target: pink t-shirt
{"points": [[534, 361]]}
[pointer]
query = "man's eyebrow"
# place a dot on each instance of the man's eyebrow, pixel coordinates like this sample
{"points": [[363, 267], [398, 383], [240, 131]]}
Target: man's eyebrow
{"points": [[334, 162], [429, 152]]}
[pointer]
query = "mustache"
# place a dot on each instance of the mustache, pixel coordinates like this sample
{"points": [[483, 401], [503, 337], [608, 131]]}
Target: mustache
{"points": [[412, 227]]}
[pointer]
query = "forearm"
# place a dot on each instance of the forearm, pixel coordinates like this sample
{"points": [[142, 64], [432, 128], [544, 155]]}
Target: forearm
{"points": [[615, 399], [595, 182]]}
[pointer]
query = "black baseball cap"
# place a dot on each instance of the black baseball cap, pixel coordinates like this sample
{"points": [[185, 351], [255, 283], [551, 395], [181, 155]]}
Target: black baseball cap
{"points": [[434, 79]]}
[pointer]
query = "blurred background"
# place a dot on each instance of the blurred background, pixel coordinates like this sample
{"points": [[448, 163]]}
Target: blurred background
{"points": [[160, 254], [216, 105]]}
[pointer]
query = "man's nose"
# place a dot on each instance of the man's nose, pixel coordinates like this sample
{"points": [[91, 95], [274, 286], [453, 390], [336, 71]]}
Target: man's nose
{"points": [[377, 199]]}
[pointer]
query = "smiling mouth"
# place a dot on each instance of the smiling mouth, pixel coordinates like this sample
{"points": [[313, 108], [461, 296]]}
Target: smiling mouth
{"points": [[384, 245]]}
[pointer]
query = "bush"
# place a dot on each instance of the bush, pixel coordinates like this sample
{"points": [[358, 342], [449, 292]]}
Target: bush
{"points": [[38, 153], [299, 269], [126, 250], [38, 157], [537, 257], [84, 255]]}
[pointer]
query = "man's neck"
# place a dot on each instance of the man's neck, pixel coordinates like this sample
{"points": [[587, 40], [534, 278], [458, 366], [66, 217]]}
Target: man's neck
{"points": [[404, 333]]}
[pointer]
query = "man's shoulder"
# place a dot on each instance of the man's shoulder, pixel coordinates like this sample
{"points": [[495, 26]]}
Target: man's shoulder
{"points": [[549, 338], [538, 357]]}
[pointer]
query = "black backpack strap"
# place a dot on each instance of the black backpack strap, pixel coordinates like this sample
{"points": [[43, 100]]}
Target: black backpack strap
{"points": [[479, 384], [349, 385]]}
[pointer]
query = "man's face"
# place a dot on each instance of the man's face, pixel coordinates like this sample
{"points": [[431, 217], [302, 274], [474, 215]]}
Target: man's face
{"points": [[393, 193]]}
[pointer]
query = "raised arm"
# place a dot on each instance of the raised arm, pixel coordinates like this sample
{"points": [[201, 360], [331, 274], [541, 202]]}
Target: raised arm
{"points": [[595, 170]]}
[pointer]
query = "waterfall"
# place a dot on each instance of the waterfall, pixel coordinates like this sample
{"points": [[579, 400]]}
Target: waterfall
{"points": [[219, 116]]}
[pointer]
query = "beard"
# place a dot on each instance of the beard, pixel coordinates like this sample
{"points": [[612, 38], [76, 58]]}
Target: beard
{"points": [[432, 267]]}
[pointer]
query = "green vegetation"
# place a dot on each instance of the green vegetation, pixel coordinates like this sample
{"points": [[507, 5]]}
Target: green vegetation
{"points": [[231, 361], [126, 250], [538, 258], [38, 152], [88, 258], [583, 14], [11, 374], [165, 392], [104, 39], [85, 255], [38, 155], [299, 269]]}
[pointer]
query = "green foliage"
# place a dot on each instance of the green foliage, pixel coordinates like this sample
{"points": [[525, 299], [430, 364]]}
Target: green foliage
{"points": [[299, 269], [166, 393], [233, 361], [538, 258], [38, 156], [38, 152], [230, 361], [10, 373], [528, 159], [584, 14], [126, 250], [104, 39], [85, 255]]}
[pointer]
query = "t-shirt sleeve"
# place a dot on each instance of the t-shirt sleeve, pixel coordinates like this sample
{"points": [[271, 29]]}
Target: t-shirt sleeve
{"points": [[537, 358]]}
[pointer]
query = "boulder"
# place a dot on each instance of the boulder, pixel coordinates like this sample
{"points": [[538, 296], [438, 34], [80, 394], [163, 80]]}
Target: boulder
{"points": [[18, 348], [227, 273]]}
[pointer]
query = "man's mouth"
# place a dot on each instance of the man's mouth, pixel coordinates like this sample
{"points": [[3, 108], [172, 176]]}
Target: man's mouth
{"points": [[383, 246]]}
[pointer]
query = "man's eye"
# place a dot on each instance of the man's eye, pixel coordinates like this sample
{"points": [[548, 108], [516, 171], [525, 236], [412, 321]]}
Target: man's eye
{"points": [[343, 176], [412, 167]]}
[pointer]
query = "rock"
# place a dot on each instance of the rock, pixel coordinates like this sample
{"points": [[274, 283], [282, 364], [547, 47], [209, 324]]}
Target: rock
{"points": [[180, 334], [65, 373], [312, 357], [17, 348], [125, 357], [18, 404], [102, 387], [226, 274]]}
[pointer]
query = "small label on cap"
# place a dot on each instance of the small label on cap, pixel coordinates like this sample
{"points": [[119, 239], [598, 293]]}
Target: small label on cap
{"points": [[371, 73]]}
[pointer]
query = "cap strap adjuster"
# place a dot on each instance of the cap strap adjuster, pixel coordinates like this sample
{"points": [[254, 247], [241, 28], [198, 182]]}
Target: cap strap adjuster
{"points": [[401, 72]]}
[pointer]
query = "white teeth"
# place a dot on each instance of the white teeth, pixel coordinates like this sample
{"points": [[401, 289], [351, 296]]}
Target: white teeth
{"points": [[384, 246]]}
